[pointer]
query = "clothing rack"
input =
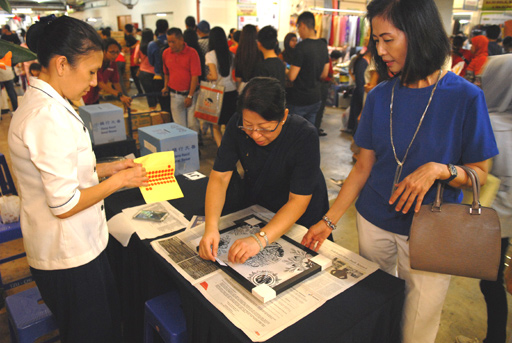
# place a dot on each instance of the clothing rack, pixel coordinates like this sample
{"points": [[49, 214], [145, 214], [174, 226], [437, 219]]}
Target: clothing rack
{"points": [[340, 29]]}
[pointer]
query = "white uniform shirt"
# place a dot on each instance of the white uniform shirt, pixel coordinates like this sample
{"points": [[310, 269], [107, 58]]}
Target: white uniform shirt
{"points": [[53, 160]]}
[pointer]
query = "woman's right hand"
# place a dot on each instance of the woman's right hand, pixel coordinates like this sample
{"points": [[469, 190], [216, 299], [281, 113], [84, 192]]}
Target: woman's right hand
{"points": [[316, 236], [209, 245]]}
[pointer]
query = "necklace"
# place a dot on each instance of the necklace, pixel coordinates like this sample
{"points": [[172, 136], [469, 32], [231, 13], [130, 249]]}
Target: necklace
{"points": [[400, 164]]}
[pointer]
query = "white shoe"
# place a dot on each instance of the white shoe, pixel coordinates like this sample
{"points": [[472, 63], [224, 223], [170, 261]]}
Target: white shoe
{"points": [[464, 339]]}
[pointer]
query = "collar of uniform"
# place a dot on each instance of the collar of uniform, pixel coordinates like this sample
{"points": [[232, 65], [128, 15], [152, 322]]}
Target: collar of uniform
{"points": [[51, 92]]}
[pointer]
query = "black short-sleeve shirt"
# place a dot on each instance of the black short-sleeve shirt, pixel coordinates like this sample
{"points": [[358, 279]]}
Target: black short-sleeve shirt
{"points": [[295, 167], [271, 67], [311, 56]]}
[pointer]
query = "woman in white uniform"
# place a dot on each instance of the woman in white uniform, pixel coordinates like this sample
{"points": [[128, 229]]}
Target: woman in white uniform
{"points": [[62, 213]]}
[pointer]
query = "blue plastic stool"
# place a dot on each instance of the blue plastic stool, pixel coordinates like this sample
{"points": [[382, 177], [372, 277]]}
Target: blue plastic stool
{"points": [[28, 318], [165, 315]]}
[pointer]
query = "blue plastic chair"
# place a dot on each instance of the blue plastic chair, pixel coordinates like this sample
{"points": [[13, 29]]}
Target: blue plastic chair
{"points": [[29, 318], [11, 231], [164, 315]]}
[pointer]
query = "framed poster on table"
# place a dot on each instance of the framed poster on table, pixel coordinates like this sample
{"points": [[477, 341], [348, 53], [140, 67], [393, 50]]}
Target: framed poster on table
{"points": [[279, 266]]}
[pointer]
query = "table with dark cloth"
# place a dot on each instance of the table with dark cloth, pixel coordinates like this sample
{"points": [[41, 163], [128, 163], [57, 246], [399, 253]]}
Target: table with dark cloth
{"points": [[368, 312]]}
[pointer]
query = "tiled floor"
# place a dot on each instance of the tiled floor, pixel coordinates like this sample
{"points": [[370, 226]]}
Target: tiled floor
{"points": [[464, 310]]}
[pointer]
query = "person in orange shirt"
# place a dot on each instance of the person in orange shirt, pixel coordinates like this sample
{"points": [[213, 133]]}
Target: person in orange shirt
{"points": [[479, 49]]}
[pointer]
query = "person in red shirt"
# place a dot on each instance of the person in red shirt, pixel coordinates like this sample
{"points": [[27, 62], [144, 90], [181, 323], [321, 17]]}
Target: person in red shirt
{"points": [[182, 68], [460, 55], [108, 76]]}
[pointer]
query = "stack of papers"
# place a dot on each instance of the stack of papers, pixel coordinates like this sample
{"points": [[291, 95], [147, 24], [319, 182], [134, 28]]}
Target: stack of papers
{"points": [[123, 225]]}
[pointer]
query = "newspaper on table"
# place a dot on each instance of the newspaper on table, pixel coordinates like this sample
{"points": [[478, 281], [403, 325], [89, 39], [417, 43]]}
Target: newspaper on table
{"points": [[123, 225], [257, 320]]}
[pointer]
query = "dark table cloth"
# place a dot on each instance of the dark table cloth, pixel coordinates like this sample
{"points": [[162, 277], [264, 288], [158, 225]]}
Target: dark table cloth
{"points": [[368, 312]]}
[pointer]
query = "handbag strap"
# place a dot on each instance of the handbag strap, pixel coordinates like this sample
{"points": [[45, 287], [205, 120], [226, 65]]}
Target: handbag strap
{"points": [[475, 208]]}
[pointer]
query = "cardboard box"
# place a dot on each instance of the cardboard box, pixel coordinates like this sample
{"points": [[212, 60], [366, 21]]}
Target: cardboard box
{"points": [[104, 121], [160, 117], [138, 120], [171, 136]]}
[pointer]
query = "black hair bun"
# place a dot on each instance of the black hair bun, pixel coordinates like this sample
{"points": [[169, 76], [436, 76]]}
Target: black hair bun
{"points": [[35, 32]]}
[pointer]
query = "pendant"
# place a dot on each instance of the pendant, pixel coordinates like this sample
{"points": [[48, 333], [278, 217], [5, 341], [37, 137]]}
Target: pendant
{"points": [[396, 180]]}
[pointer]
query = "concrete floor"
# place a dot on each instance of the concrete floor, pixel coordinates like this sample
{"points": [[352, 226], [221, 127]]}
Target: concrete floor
{"points": [[464, 312]]}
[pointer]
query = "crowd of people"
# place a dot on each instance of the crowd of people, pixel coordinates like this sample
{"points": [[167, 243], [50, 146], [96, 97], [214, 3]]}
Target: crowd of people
{"points": [[415, 123]]}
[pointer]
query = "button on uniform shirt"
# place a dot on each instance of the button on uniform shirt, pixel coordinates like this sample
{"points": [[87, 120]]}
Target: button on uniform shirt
{"points": [[181, 67], [53, 160]]}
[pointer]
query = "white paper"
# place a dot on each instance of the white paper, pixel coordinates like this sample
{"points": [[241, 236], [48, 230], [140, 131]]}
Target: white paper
{"points": [[195, 175], [122, 225], [257, 320]]}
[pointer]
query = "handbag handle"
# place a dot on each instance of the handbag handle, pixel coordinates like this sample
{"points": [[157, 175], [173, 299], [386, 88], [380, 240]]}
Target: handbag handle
{"points": [[475, 208]]}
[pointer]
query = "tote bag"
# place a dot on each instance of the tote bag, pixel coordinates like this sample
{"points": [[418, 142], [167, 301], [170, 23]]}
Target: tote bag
{"points": [[209, 102]]}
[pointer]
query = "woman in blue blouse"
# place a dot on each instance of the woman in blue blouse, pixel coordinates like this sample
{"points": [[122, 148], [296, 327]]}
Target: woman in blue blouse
{"points": [[416, 129]]}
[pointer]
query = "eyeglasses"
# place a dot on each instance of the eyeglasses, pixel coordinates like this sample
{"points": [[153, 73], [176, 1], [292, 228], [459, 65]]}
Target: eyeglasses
{"points": [[260, 131], [114, 52]]}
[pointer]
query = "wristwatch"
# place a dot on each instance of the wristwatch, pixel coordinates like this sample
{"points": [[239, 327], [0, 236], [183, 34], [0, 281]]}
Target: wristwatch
{"points": [[264, 235], [453, 173], [189, 96], [119, 95]]}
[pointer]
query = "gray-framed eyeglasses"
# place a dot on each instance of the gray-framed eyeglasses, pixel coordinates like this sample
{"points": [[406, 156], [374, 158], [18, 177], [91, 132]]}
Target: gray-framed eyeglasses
{"points": [[263, 131]]}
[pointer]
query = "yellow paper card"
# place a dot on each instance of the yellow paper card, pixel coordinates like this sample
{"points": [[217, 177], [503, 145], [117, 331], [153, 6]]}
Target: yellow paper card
{"points": [[162, 184]]}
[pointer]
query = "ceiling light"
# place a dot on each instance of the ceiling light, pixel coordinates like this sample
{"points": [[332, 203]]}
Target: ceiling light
{"points": [[22, 10]]}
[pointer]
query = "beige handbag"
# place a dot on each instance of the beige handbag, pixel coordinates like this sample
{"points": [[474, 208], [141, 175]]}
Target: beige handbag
{"points": [[456, 239]]}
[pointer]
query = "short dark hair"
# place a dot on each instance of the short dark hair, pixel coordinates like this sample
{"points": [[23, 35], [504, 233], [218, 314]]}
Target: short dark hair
{"points": [[161, 26], [307, 18], [493, 32], [34, 66], [236, 36], [267, 37], [106, 32], [336, 54], [176, 32], [458, 41], [7, 27], [110, 41], [64, 36], [507, 42], [190, 21], [265, 96], [428, 45], [128, 28]]}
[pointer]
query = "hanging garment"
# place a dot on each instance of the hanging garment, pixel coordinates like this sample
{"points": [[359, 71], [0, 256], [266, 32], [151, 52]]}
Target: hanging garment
{"points": [[326, 26], [331, 33]]}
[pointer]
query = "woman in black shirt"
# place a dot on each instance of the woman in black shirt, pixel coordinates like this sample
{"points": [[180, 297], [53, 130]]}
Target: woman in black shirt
{"points": [[281, 158]]}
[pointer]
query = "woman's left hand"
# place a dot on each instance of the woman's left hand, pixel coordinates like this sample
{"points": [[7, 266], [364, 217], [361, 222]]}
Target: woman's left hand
{"points": [[243, 249], [415, 186], [121, 165]]}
